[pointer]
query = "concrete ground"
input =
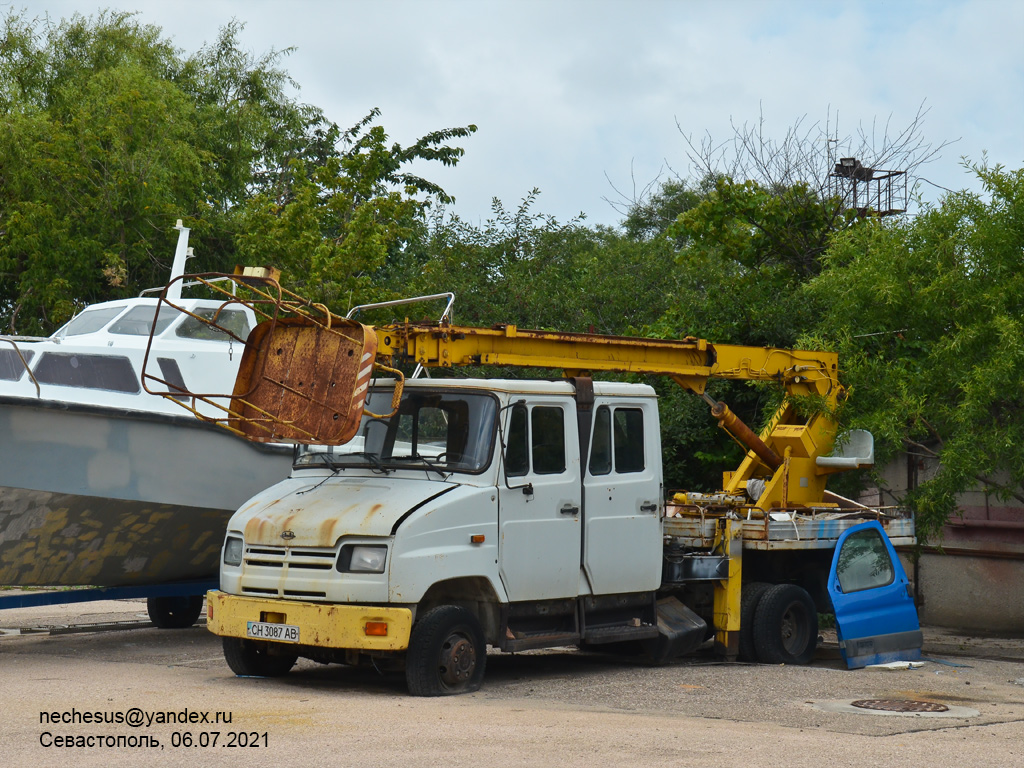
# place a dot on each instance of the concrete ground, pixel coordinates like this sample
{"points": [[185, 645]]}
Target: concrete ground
{"points": [[551, 708]]}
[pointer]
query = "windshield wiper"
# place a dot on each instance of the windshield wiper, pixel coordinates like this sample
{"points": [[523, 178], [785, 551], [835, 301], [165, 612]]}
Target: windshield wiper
{"points": [[373, 458], [325, 459], [336, 465], [430, 462]]}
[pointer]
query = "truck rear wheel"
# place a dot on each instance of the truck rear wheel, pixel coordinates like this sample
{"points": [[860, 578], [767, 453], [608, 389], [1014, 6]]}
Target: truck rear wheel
{"points": [[751, 597], [174, 612], [251, 659], [785, 626], [447, 653]]}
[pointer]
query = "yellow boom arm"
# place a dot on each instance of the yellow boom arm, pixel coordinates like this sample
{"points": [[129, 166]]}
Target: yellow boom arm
{"points": [[305, 371], [783, 456]]}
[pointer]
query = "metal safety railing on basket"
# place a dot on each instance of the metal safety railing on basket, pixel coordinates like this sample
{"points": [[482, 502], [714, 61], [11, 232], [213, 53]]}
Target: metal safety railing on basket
{"points": [[304, 372]]}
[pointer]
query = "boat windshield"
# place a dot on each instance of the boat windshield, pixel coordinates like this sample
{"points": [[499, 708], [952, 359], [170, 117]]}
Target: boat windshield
{"points": [[91, 320], [444, 431], [139, 321]]}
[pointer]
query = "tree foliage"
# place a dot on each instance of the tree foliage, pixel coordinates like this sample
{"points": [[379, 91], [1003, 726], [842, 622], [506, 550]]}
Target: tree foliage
{"points": [[97, 147], [750, 234], [528, 269], [333, 228], [108, 134], [926, 316]]}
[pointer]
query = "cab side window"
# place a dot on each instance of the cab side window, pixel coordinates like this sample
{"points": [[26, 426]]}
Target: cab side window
{"points": [[536, 438], [601, 445], [547, 441], [864, 563], [517, 460], [629, 440], [619, 435]]}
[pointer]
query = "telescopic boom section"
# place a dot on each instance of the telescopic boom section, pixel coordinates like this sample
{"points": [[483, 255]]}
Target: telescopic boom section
{"points": [[690, 361], [781, 461]]}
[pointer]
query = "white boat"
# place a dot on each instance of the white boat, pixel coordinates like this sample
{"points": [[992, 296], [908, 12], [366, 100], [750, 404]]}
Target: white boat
{"points": [[104, 481]]}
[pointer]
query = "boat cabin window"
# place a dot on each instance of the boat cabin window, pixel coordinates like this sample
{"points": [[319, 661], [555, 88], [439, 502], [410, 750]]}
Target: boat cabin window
{"points": [[11, 368], [233, 320], [90, 321], [138, 321], [110, 372]]}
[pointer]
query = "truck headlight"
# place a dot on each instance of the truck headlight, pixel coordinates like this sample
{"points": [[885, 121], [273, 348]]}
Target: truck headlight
{"points": [[233, 551], [362, 558]]}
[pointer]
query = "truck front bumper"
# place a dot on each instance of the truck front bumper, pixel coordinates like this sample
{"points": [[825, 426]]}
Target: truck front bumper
{"points": [[362, 627]]}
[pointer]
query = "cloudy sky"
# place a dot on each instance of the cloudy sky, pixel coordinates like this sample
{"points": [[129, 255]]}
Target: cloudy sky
{"points": [[589, 100]]}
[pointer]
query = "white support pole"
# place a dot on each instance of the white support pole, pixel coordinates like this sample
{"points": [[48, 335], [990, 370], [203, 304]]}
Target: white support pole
{"points": [[178, 267]]}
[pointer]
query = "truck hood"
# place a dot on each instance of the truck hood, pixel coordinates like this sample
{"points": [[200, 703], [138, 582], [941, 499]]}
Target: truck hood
{"points": [[318, 511]]}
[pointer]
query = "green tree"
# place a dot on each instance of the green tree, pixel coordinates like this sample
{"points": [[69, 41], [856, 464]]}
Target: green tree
{"points": [[742, 251], [108, 134], [650, 217], [91, 125], [335, 228], [528, 269], [926, 316]]}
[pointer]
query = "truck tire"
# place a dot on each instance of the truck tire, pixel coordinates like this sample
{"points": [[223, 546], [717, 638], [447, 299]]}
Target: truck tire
{"points": [[785, 626], [174, 612], [249, 659], [447, 653], [751, 597]]}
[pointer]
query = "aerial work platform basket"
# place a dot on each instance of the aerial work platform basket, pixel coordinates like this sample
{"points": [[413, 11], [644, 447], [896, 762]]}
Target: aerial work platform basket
{"points": [[304, 372]]}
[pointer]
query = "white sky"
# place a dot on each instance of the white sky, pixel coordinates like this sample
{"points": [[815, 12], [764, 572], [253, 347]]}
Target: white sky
{"points": [[572, 97]]}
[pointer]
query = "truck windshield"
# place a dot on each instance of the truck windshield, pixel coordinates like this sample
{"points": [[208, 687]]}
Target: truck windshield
{"points": [[444, 431]]}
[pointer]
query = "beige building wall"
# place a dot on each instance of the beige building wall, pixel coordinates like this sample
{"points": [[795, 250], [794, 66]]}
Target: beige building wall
{"points": [[973, 578]]}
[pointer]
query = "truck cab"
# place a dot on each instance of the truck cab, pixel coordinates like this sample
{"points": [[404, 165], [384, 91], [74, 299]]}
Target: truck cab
{"points": [[515, 514]]}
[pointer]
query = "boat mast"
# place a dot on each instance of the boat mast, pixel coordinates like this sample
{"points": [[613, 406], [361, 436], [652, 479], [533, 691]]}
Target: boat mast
{"points": [[178, 267]]}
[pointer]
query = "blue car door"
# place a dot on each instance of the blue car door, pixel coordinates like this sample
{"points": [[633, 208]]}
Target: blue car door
{"points": [[876, 619]]}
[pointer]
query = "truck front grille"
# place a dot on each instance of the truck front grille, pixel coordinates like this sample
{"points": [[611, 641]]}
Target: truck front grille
{"points": [[292, 557], [289, 572]]}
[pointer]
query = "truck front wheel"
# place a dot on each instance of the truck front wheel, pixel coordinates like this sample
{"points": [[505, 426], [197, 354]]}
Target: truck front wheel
{"points": [[251, 659], [174, 612], [785, 626], [447, 653]]}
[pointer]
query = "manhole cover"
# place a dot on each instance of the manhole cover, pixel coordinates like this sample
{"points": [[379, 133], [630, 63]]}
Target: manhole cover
{"points": [[900, 705]]}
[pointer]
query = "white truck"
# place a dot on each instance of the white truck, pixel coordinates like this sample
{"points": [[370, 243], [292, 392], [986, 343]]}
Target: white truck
{"points": [[524, 514]]}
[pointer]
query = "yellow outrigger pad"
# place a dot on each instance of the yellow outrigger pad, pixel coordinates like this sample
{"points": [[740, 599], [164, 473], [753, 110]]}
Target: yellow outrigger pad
{"points": [[302, 380]]}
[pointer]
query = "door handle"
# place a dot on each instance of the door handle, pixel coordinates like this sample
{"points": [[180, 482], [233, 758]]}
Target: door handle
{"points": [[569, 509], [648, 507]]}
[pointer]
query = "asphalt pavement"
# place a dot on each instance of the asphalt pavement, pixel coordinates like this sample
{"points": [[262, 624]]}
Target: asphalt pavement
{"points": [[77, 679]]}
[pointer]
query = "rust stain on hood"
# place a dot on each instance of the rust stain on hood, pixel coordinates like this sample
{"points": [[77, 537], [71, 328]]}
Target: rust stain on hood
{"points": [[301, 513]]}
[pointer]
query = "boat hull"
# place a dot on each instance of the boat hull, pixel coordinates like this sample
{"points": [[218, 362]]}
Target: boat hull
{"points": [[100, 496]]}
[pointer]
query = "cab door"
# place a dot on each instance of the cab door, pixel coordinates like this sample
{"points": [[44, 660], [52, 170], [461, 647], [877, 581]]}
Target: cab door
{"points": [[540, 500], [876, 619], [622, 536]]}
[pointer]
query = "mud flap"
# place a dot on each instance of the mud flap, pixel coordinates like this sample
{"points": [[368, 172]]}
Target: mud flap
{"points": [[680, 631]]}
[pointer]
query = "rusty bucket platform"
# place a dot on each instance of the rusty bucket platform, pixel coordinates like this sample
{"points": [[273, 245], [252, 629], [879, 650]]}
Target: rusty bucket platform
{"points": [[305, 371], [302, 379]]}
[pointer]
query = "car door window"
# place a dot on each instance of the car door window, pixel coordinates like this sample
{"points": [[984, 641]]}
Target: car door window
{"points": [[517, 459], [864, 563], [547, 440], [629, 440], [601, 445]]}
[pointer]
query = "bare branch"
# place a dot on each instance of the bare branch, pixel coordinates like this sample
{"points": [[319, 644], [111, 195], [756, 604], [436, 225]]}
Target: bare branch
{"points": [[807, 153]]}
